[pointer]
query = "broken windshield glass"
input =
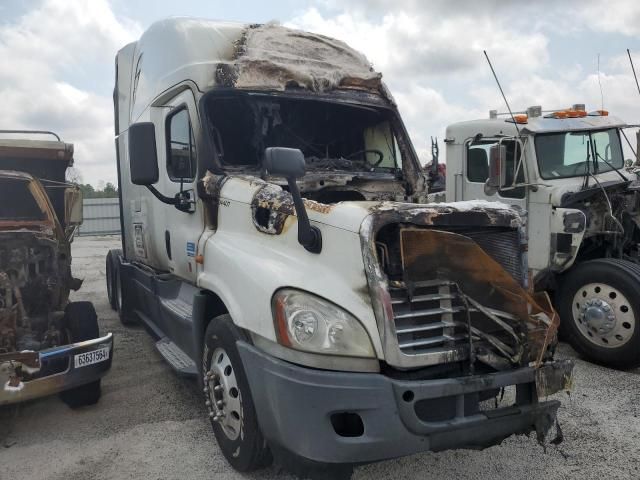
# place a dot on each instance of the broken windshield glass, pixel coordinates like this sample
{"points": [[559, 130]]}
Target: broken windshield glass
{"points": [[17, 202], [332, 136]]}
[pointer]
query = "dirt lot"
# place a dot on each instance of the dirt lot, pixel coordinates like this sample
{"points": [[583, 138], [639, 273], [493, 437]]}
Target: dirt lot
{"points": [[150, 424]]}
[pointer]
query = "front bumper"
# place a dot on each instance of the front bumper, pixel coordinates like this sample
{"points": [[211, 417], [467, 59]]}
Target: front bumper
{"points": [[70, 378], [295, 406]]}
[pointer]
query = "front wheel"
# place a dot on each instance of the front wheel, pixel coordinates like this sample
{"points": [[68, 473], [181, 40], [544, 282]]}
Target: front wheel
{"points": [[228, 399], [599, 304]]}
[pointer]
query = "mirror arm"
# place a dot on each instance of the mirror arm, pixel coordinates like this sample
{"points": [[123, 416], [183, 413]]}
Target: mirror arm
{"points": [[182, 204], [161, 197], [309, 236]]}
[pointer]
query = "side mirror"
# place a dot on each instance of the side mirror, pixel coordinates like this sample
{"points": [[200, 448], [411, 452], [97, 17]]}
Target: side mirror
{"points": [[284, 162], [143, 157], [497, 166], [72, 206], [289, 163]]}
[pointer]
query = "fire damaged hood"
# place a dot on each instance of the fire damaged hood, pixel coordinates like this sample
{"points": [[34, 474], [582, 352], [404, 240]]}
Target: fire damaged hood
{"points": [[448, 277], [272, 206], [448, 284]]}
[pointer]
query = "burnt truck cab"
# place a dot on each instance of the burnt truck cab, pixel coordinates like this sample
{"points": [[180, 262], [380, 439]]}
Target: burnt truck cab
{"points": [[278, 244], [47, 344]]}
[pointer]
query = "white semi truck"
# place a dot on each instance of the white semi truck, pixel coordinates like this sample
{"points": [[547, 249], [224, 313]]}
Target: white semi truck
{"points": [[566, 169], [350, 326]]}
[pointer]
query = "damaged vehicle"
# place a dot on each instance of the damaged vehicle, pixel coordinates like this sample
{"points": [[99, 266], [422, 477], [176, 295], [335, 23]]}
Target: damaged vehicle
{"points": [[566, 169], [277, 243], [48, 345]]}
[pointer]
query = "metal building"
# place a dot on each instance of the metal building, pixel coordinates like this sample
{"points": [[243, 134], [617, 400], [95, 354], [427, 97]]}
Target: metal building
{"points": [[101, 217]]}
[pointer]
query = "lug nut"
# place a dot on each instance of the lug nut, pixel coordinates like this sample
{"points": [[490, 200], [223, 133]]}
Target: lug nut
{"points": [[220, 404], [218, 388], [205, 390], [212, 415], [207, 403]]}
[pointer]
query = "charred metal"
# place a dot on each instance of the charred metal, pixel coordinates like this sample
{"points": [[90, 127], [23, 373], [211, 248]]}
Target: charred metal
{"points": [[447, 289]]}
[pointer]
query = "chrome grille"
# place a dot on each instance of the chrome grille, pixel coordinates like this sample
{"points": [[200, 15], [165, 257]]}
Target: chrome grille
{"points": [[433, 319], [429, 320]]}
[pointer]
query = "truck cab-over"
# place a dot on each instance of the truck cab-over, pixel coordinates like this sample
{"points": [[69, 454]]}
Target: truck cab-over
{"points": [[277, 243], [566, 170]]}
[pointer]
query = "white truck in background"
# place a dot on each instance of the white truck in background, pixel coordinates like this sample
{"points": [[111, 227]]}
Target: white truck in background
{"points": [[566, 169], [353, 325]]}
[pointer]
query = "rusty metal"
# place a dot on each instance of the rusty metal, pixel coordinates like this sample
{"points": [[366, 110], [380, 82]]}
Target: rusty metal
{"points": [[30, 359], [554, 378], [429, 254], [35, 278]]}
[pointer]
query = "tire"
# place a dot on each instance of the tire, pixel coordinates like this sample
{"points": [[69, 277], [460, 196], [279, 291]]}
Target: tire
{"points": [[82, 324], [124, 314], [236, 429], [599, 306], [111, 265]]}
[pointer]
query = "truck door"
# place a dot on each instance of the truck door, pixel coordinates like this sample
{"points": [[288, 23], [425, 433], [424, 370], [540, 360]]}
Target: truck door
{"points": [[177, 161], [476, 172]]}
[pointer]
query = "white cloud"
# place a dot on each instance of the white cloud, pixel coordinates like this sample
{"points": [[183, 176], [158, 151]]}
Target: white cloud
{"points": [[56, 62], [618, 16], [431, 57], [42, 57]]}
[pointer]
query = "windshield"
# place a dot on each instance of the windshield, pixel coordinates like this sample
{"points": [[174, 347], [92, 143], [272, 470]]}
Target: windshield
{"points": [[332, 136], [575, 154]]}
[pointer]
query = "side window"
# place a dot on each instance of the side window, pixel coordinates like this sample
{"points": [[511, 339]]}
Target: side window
{"points": [[478, 165], [478, 162], [181, 148]]}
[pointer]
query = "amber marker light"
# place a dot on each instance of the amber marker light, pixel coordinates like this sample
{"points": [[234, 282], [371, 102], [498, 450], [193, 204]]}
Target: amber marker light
{"points": [[281, 321], [521, 118]]}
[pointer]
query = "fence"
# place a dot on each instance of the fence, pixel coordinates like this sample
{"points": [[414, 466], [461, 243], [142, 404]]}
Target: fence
{"points": [[101, 217]]}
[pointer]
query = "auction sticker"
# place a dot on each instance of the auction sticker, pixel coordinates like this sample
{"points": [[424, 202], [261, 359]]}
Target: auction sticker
{"points": [[89, 358]]}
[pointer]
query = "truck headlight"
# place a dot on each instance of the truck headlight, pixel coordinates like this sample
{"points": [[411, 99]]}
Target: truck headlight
{"points": [[312, 324]]}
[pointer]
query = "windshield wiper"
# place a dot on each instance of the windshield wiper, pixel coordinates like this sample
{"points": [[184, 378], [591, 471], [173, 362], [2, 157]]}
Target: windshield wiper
{"points": [[625, 179], [585, 183]]}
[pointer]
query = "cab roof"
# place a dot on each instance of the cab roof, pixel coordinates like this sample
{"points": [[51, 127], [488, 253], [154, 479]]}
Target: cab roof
{"points": [[504, 126], [212, 54]]}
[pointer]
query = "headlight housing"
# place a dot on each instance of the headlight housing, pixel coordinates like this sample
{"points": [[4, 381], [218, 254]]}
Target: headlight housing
{"points": [[306, 322]]}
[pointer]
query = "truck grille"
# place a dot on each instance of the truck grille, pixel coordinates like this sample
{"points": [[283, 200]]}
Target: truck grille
{"points": [[431, 320], [503, 246]]}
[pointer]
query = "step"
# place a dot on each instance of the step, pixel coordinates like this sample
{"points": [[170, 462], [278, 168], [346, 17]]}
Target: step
{"points": [[176, 357]]}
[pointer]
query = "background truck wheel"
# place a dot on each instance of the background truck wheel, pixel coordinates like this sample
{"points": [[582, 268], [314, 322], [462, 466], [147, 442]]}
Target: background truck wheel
{"points": [[125, 315], [599, 304], [227, 396], [110, 269], [82, 324]]}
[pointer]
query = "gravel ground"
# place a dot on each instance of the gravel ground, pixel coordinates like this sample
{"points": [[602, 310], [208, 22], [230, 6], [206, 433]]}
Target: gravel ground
{"points": [[151, 424]]}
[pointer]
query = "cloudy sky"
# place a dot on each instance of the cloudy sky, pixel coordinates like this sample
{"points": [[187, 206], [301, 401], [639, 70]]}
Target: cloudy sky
{"points": [[57, 56]]}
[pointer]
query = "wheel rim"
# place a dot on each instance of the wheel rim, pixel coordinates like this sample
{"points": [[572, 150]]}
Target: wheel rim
{"points": [[223, 398], [603, 315]]}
